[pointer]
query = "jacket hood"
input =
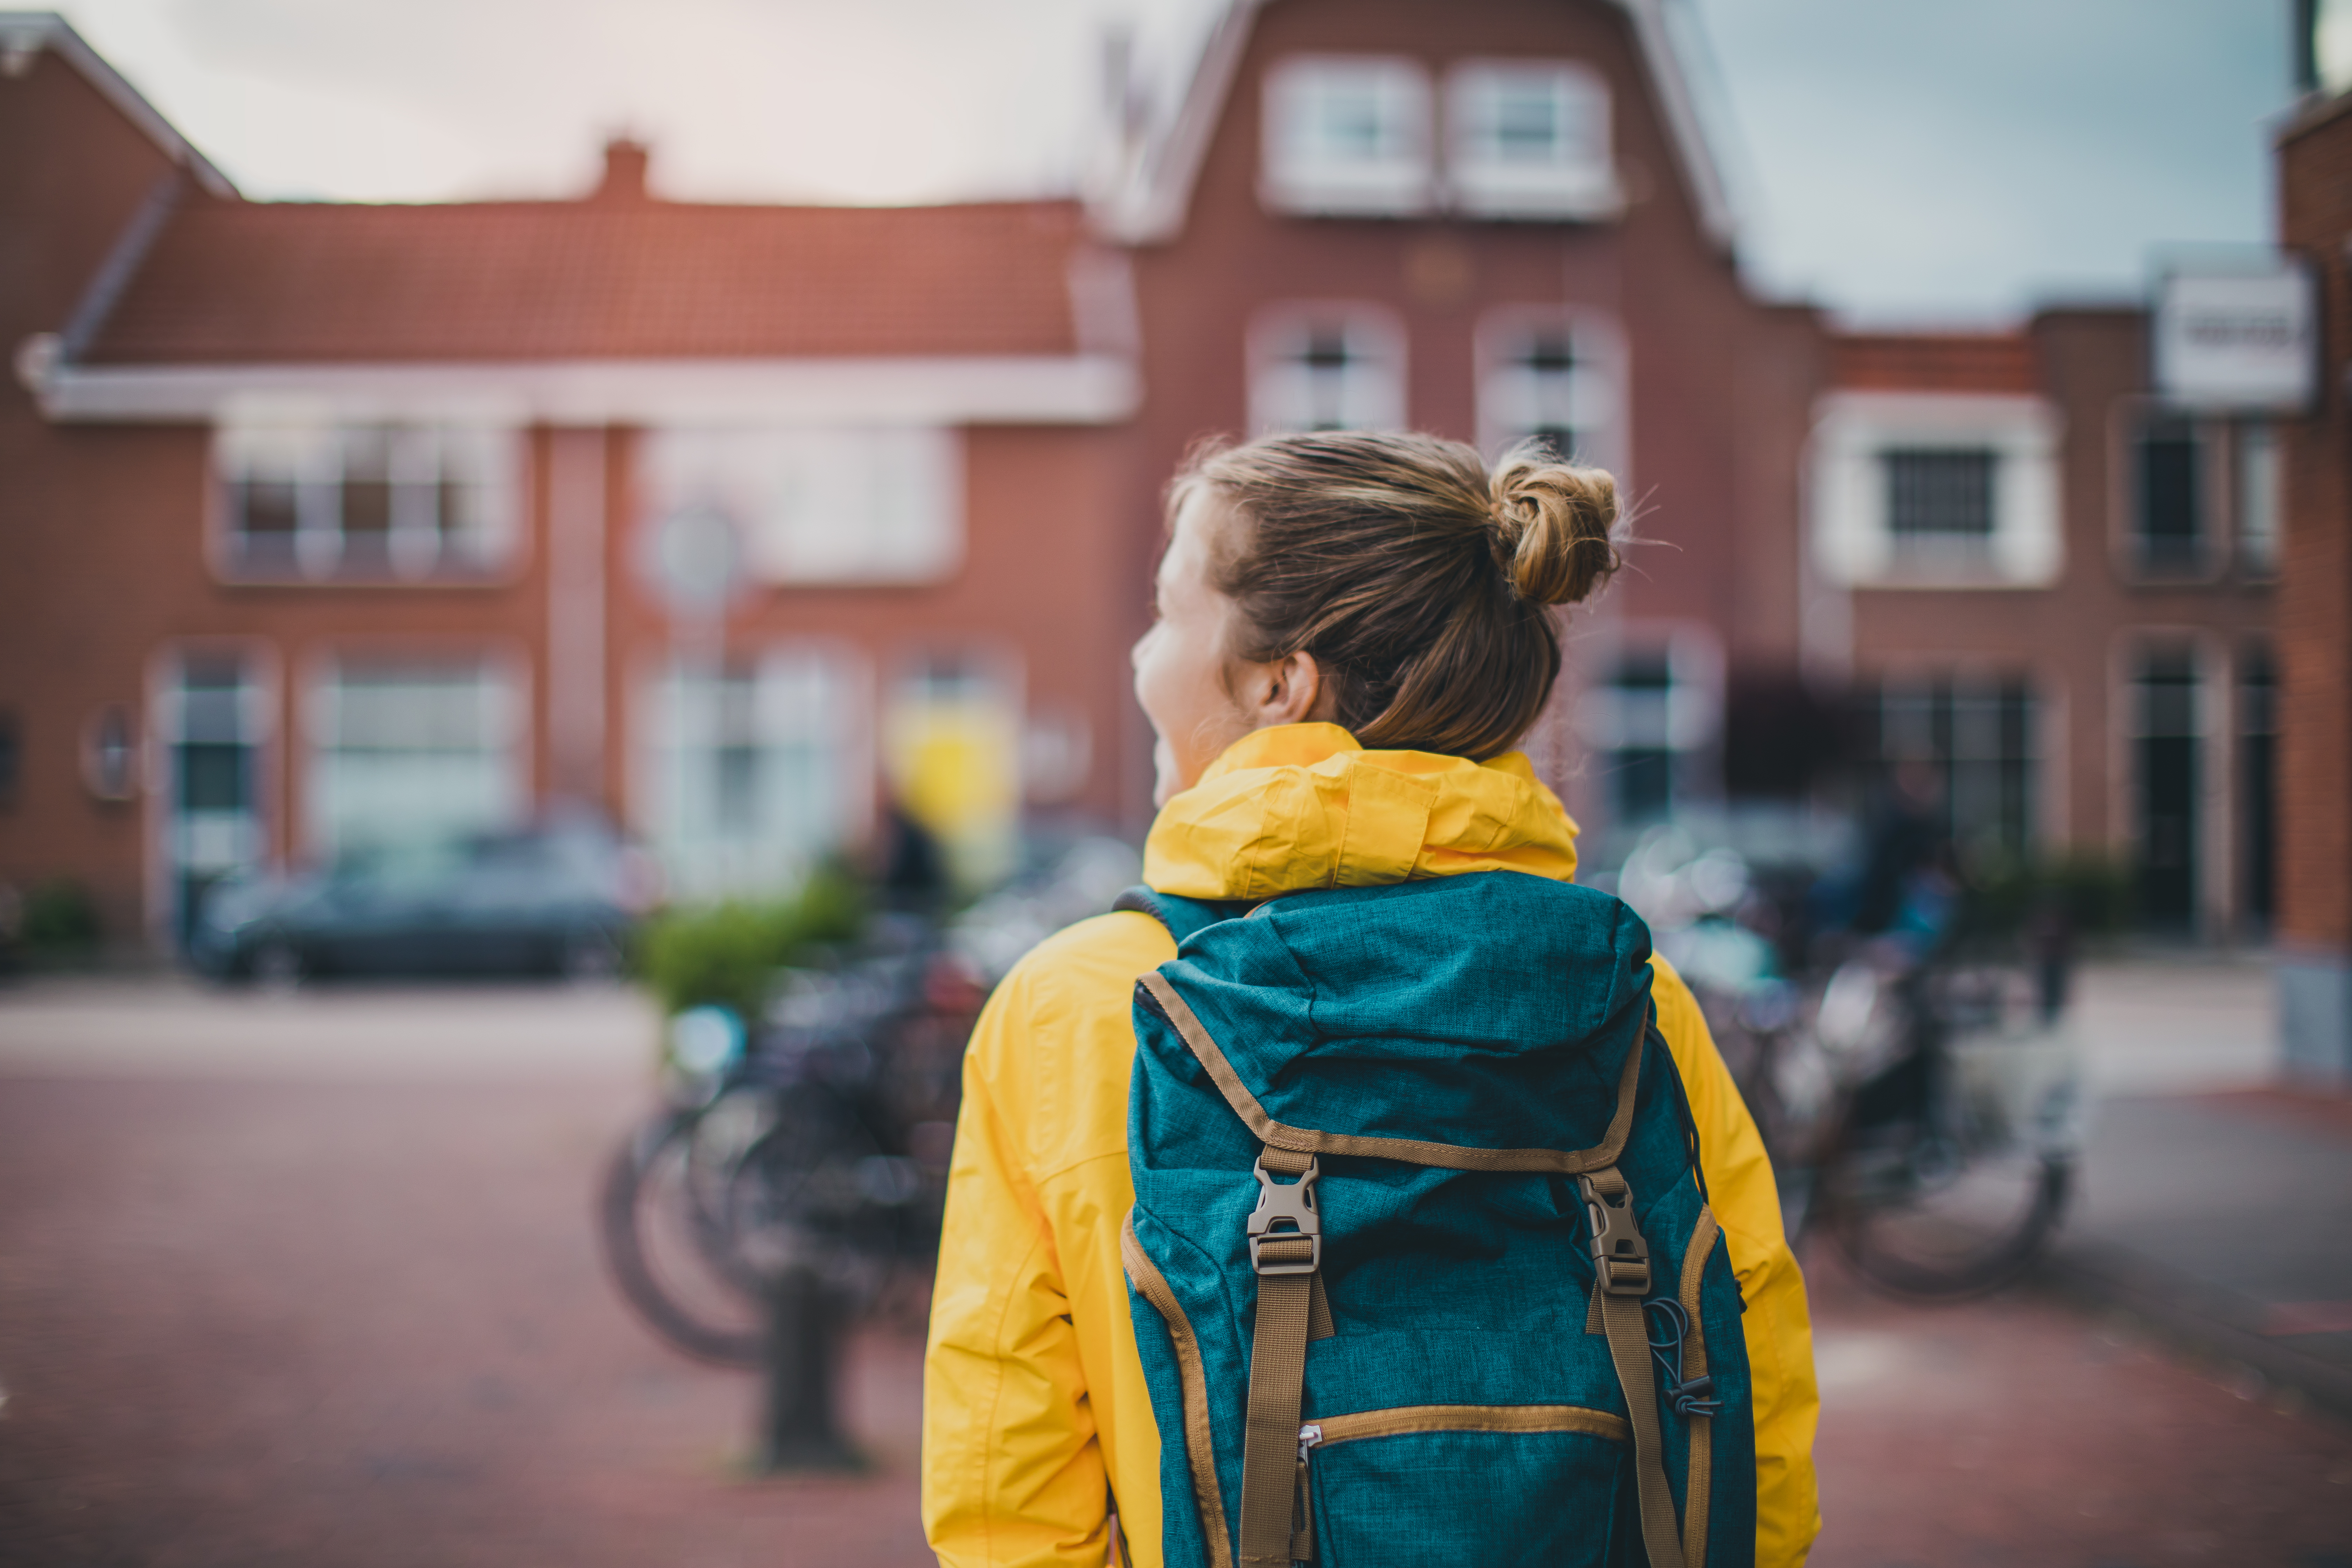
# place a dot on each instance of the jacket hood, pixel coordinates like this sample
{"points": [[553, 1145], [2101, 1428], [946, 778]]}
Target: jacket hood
{"points": [[1304, 805]]}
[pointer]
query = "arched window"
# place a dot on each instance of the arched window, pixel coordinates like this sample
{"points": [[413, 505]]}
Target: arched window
{"points": [[1326, 367]]}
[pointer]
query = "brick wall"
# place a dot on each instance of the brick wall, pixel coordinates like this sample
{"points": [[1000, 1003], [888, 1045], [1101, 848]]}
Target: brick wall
{"points": [[2315, 598]]}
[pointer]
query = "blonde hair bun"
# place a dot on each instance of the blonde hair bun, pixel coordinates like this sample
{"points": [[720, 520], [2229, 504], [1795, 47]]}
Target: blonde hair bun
{"points": [[1555, 525]]}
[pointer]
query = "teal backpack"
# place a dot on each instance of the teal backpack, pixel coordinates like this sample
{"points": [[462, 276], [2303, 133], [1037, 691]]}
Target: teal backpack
{"points": [[1421, 1262]]}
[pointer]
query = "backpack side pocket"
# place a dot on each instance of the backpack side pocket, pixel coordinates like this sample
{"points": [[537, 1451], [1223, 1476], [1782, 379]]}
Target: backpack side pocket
{"points": [[1192, 1380]]}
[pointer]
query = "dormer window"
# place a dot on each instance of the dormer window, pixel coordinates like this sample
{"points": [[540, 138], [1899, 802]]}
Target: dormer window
{"points": [[1329, 367], [1552, 376], [1529, 140], [1347, 136], [1918, 490]]}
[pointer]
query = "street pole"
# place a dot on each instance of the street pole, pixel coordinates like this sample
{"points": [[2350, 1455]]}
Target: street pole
{"points": [[798, 1427]]}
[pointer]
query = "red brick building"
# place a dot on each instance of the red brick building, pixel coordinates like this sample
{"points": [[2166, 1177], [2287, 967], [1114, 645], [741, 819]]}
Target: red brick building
{"points": [[336, 523], [2056, 585], [1494, 221], [2315, 617], [328, 523]]}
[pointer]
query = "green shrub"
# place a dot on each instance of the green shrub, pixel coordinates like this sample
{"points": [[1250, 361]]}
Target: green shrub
{"points": [[832, 907], [60, 917], [2095, 891], [728, 953], [2004, 897]]}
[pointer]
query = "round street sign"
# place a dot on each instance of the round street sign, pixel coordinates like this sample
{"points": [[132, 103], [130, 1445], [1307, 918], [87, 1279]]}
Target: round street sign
{"points": [[698, 557]]}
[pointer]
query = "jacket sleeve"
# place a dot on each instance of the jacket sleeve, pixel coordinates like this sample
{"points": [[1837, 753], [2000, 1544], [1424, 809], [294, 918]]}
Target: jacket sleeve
{"points": [[1778, 1325], [1012, 1473]]}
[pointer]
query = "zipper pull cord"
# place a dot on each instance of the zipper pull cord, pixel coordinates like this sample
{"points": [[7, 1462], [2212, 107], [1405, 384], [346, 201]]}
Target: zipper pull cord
{"points": [[1687, 1399]]}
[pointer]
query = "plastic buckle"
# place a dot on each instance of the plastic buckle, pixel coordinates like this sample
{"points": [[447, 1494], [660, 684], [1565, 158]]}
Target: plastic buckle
{"points": [[1621, 1259], [1292, 1201]]}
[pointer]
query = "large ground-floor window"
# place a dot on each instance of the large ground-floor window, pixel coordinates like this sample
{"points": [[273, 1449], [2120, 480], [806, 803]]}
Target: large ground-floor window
{"points": [[753, 767], [1975, 734], [952, 740], [410, 748]]}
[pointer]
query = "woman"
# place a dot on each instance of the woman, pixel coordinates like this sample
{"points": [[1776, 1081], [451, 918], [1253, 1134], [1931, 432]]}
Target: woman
{"points": [[1352, 631]]}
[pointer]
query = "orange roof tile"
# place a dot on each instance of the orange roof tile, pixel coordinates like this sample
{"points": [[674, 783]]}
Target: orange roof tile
{"points": [[232, 281], [1933, 362]]}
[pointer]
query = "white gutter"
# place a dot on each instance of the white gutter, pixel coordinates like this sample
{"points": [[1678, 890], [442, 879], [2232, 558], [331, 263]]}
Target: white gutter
{"points": [[1083, 389]]}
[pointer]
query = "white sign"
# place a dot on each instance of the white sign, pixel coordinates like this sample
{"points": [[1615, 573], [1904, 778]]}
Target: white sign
{"points": [[2237, 340]]}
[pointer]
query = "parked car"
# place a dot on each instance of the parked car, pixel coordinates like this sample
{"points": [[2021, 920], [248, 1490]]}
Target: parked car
{"points": [[553, 899]]}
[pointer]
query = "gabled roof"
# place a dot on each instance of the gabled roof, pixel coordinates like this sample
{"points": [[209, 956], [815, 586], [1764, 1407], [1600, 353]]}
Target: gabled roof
{"points": [[1996, 362], [289, 283], [1152, 198], [28, 32]]}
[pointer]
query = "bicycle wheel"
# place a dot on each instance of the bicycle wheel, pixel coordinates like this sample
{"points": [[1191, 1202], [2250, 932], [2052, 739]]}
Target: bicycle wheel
{"points": [[815, 1190], [1923, 1216], [663, 1220]]}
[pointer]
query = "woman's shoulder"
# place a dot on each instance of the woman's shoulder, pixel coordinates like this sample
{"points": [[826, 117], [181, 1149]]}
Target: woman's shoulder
{"points": [[1056, 1042], [1679, 1018], [1093, 963]]}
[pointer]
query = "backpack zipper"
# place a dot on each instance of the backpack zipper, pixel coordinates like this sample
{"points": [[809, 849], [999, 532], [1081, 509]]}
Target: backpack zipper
{"points": [[1504, 1419], [1302, 1501]]}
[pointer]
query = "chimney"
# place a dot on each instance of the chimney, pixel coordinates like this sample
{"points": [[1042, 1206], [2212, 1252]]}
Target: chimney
{"points": [[624, 172]]}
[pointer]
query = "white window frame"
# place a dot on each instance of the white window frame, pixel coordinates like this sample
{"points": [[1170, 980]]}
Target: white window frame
{"points": [[2257, 501], [819, 505], [421, 547], [507, 721], [1285, 391], [253, 722], [1297, 176], [1852, 540], [1683, 720], [698, 858], [1574, 182], [1513, 399]]}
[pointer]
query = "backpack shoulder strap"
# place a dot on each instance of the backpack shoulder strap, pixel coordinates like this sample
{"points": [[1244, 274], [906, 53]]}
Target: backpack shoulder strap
{"points": [[1183, 917]]}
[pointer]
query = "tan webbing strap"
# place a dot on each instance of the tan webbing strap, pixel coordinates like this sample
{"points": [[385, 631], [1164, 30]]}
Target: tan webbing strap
{"points": [[1319, 1325], [1193, 1382], [1410, 1151], [1286, 1263], [1622, 1264], [1701, 1480]]}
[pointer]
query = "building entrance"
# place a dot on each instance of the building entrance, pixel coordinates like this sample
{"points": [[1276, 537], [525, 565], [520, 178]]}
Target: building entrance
{"points": [[2166, 781], [213, 720]]}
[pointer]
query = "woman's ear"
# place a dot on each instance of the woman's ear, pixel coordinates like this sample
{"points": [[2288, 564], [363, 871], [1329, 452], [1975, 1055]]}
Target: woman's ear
{"points": [[1288, 690]]}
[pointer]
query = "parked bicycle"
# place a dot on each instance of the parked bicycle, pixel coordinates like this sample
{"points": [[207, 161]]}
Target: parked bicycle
{"points": [[1923, 1107], [817, 1137]]}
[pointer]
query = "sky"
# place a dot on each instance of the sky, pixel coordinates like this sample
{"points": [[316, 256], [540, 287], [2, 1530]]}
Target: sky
{"points": [[1907, 160]]}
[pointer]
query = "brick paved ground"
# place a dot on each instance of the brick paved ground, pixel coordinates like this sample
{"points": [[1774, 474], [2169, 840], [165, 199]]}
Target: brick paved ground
{"points": [[2023, 1430], [342, 1310]]}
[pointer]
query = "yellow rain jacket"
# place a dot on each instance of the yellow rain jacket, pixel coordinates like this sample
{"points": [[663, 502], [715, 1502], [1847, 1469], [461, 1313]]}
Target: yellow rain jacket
{"points": [[1035, 1415]]}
